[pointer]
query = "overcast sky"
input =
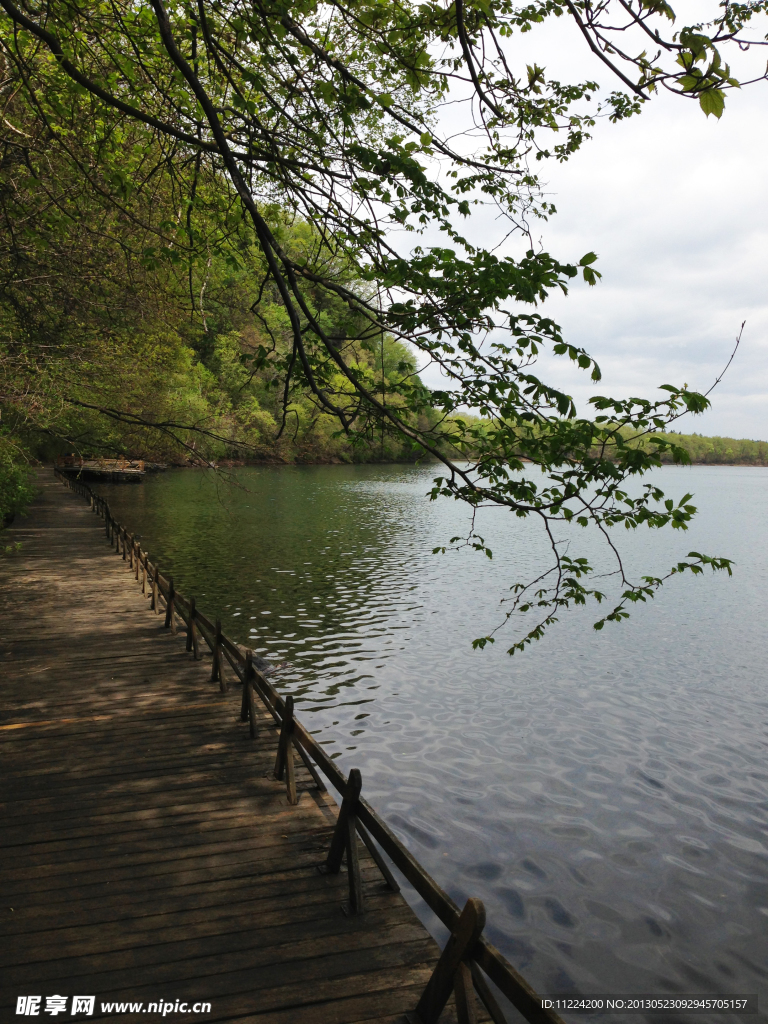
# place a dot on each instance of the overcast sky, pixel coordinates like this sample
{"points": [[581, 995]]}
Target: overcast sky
{"points": [[676, 206]]}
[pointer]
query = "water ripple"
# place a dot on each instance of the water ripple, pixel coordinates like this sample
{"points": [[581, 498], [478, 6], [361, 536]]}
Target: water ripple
{"points": [[605, 794]]}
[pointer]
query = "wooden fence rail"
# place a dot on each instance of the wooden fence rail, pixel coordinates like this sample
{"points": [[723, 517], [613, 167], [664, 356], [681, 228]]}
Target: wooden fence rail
{"points": [[468, 960]]}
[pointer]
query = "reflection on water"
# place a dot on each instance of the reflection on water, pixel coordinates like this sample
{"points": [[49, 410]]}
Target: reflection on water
{"points": [[605, 794]]}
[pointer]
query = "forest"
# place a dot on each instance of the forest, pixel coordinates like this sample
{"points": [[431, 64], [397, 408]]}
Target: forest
{"points": [[719, 451]]}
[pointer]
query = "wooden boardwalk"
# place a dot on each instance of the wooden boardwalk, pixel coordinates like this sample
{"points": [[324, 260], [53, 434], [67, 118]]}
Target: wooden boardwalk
{"points": [[147, 853]]}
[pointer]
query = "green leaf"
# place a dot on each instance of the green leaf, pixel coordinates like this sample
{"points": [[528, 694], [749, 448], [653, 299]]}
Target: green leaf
{"points": [[712, 102]]}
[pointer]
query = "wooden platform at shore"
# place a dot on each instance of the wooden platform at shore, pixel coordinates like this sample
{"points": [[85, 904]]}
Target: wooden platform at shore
{"points": [[106, 470], [147, 851]]}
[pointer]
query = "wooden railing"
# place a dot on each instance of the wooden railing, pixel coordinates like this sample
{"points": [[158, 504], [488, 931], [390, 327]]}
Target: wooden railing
{"points": [[468, 960]]}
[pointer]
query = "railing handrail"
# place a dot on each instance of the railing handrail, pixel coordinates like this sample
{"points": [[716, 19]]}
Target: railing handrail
{"points": [[485, 954]]}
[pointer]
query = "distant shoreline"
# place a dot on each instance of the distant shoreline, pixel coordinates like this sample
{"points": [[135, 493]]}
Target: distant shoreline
{"points": [[245, 463]]}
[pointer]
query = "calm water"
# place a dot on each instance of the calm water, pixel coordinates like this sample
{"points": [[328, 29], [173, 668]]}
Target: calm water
{"points": [[606, 794]]}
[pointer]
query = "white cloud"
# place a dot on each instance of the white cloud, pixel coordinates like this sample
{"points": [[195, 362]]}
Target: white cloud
{"points": [[676, 206]]}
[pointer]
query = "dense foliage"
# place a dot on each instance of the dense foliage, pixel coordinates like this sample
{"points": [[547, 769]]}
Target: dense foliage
{"points": [[298, 178], [16, 491], [719, 451], [108, 344]]}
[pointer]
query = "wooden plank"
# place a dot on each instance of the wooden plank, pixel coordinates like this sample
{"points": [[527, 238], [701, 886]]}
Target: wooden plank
{"points": [[158, 941], [202, 899], [300, 888], [342, 954]]}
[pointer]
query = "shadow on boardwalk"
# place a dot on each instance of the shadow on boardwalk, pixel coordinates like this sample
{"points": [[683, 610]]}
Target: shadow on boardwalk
{"points": [[147, 852]]}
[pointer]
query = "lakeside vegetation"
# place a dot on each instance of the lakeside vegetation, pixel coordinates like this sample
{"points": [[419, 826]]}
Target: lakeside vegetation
{"points": [[718, 451]]}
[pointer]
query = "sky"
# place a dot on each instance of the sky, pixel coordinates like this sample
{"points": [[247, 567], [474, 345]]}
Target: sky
{"points": [[675, 204]]}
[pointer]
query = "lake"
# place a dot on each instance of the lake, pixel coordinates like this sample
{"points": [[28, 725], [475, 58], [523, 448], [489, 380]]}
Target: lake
{"points": [[605, 794]]}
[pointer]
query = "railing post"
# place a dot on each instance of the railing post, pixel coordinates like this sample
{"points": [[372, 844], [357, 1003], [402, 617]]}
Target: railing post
{"points": [[217, 668], [170, 622], [345, 839], [464, 995], [248, 703], [144, 564], [382, 865], [284, 759], [154, 603], [192, 644], [131, 548], [453, 970], [137, 560]]}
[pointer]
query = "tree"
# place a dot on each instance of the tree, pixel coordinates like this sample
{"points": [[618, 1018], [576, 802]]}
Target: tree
{"points": [[335, 113]]}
